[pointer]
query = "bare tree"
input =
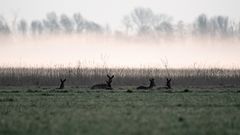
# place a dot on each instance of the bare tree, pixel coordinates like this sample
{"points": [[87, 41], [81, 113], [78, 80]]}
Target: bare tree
{"points": [[165, 29], [66, 23], [238, 30], [127, 23], [158, 19], [223, 25], [79, 20], [90, 26], [22, 27], [201, 25], [4, 27], [36, 27], [219, 26], [51, 23], [213, 26], [180, 28], [143, 19]]}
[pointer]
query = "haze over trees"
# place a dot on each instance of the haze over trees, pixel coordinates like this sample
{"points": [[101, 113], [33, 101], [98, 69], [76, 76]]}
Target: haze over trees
{"points": [[144, 21], [217, 26], [4, 26], [139, 22]]}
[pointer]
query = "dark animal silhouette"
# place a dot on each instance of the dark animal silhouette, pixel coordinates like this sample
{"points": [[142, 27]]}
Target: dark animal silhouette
{"points": [[106, 85], [62, 84], [151, 85], [168, 83]]}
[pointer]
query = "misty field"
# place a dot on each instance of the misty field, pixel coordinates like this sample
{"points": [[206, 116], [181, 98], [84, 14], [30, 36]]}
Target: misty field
{"points": [[45, 110], [104, 67]]}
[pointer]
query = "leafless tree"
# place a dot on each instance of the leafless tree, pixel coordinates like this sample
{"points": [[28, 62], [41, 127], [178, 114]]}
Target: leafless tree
{"points": [[180, 28], [66, 23], [127, 23], [79, 20], [36, 27], [51, 23], [22, 27], [201, 25], [142, 19], [92, 27], [4, 27]]}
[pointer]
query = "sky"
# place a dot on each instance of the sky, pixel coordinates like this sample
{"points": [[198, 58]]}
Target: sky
{"points": [[112, 11]]}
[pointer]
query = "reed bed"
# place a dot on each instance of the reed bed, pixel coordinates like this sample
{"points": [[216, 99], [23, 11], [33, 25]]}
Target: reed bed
{"points": [[11, 76]]}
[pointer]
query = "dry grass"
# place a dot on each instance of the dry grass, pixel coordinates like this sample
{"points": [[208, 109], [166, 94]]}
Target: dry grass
{"points": [[123, 76]]}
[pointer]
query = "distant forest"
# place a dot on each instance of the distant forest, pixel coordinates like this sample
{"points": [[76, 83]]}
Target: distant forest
{"points": [[141, 21]]}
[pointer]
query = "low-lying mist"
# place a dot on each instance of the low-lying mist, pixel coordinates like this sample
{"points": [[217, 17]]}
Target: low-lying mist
{"points": [[110, 52]]}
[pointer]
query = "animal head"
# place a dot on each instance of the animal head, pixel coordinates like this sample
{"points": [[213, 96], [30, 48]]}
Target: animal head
{"points": [[168, 80], [110, 77], [152, 83], [168, 83], [62, 81], [109, 81]]}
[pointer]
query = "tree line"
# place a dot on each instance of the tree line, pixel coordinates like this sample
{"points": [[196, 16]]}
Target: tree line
{"points": [[51, 24], [141, 21]]}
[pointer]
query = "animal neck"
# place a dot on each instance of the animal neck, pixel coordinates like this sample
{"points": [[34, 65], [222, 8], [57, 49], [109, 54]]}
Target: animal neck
{"points": [[109, 84], [151, 85]]}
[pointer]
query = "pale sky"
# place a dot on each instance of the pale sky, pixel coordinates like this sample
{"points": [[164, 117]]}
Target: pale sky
{"points": [[112, 11]]}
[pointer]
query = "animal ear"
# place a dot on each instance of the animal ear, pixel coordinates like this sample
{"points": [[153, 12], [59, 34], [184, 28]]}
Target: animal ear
{"points": [[112, 77], [64, 80], [61, 80], [108, 76]]}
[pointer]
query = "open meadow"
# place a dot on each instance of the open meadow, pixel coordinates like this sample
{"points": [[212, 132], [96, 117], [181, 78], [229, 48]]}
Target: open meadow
{"points": [[201, 101], [48, 111]]}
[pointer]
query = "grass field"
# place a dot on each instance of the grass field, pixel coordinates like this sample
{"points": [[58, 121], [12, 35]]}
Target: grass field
{"points": [[45, 111]]}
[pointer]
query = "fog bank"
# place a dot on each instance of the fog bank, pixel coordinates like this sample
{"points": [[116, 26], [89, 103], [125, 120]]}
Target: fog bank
{"points": [[108, 51]]}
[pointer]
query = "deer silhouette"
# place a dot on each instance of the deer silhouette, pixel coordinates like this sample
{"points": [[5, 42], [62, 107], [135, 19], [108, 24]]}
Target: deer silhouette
{"points": [[168, 83], [62, 83], [106, 85], [151, 85]]}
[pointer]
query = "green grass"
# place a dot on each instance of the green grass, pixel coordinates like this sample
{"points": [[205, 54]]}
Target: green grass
{"points": [[75, 111]]}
